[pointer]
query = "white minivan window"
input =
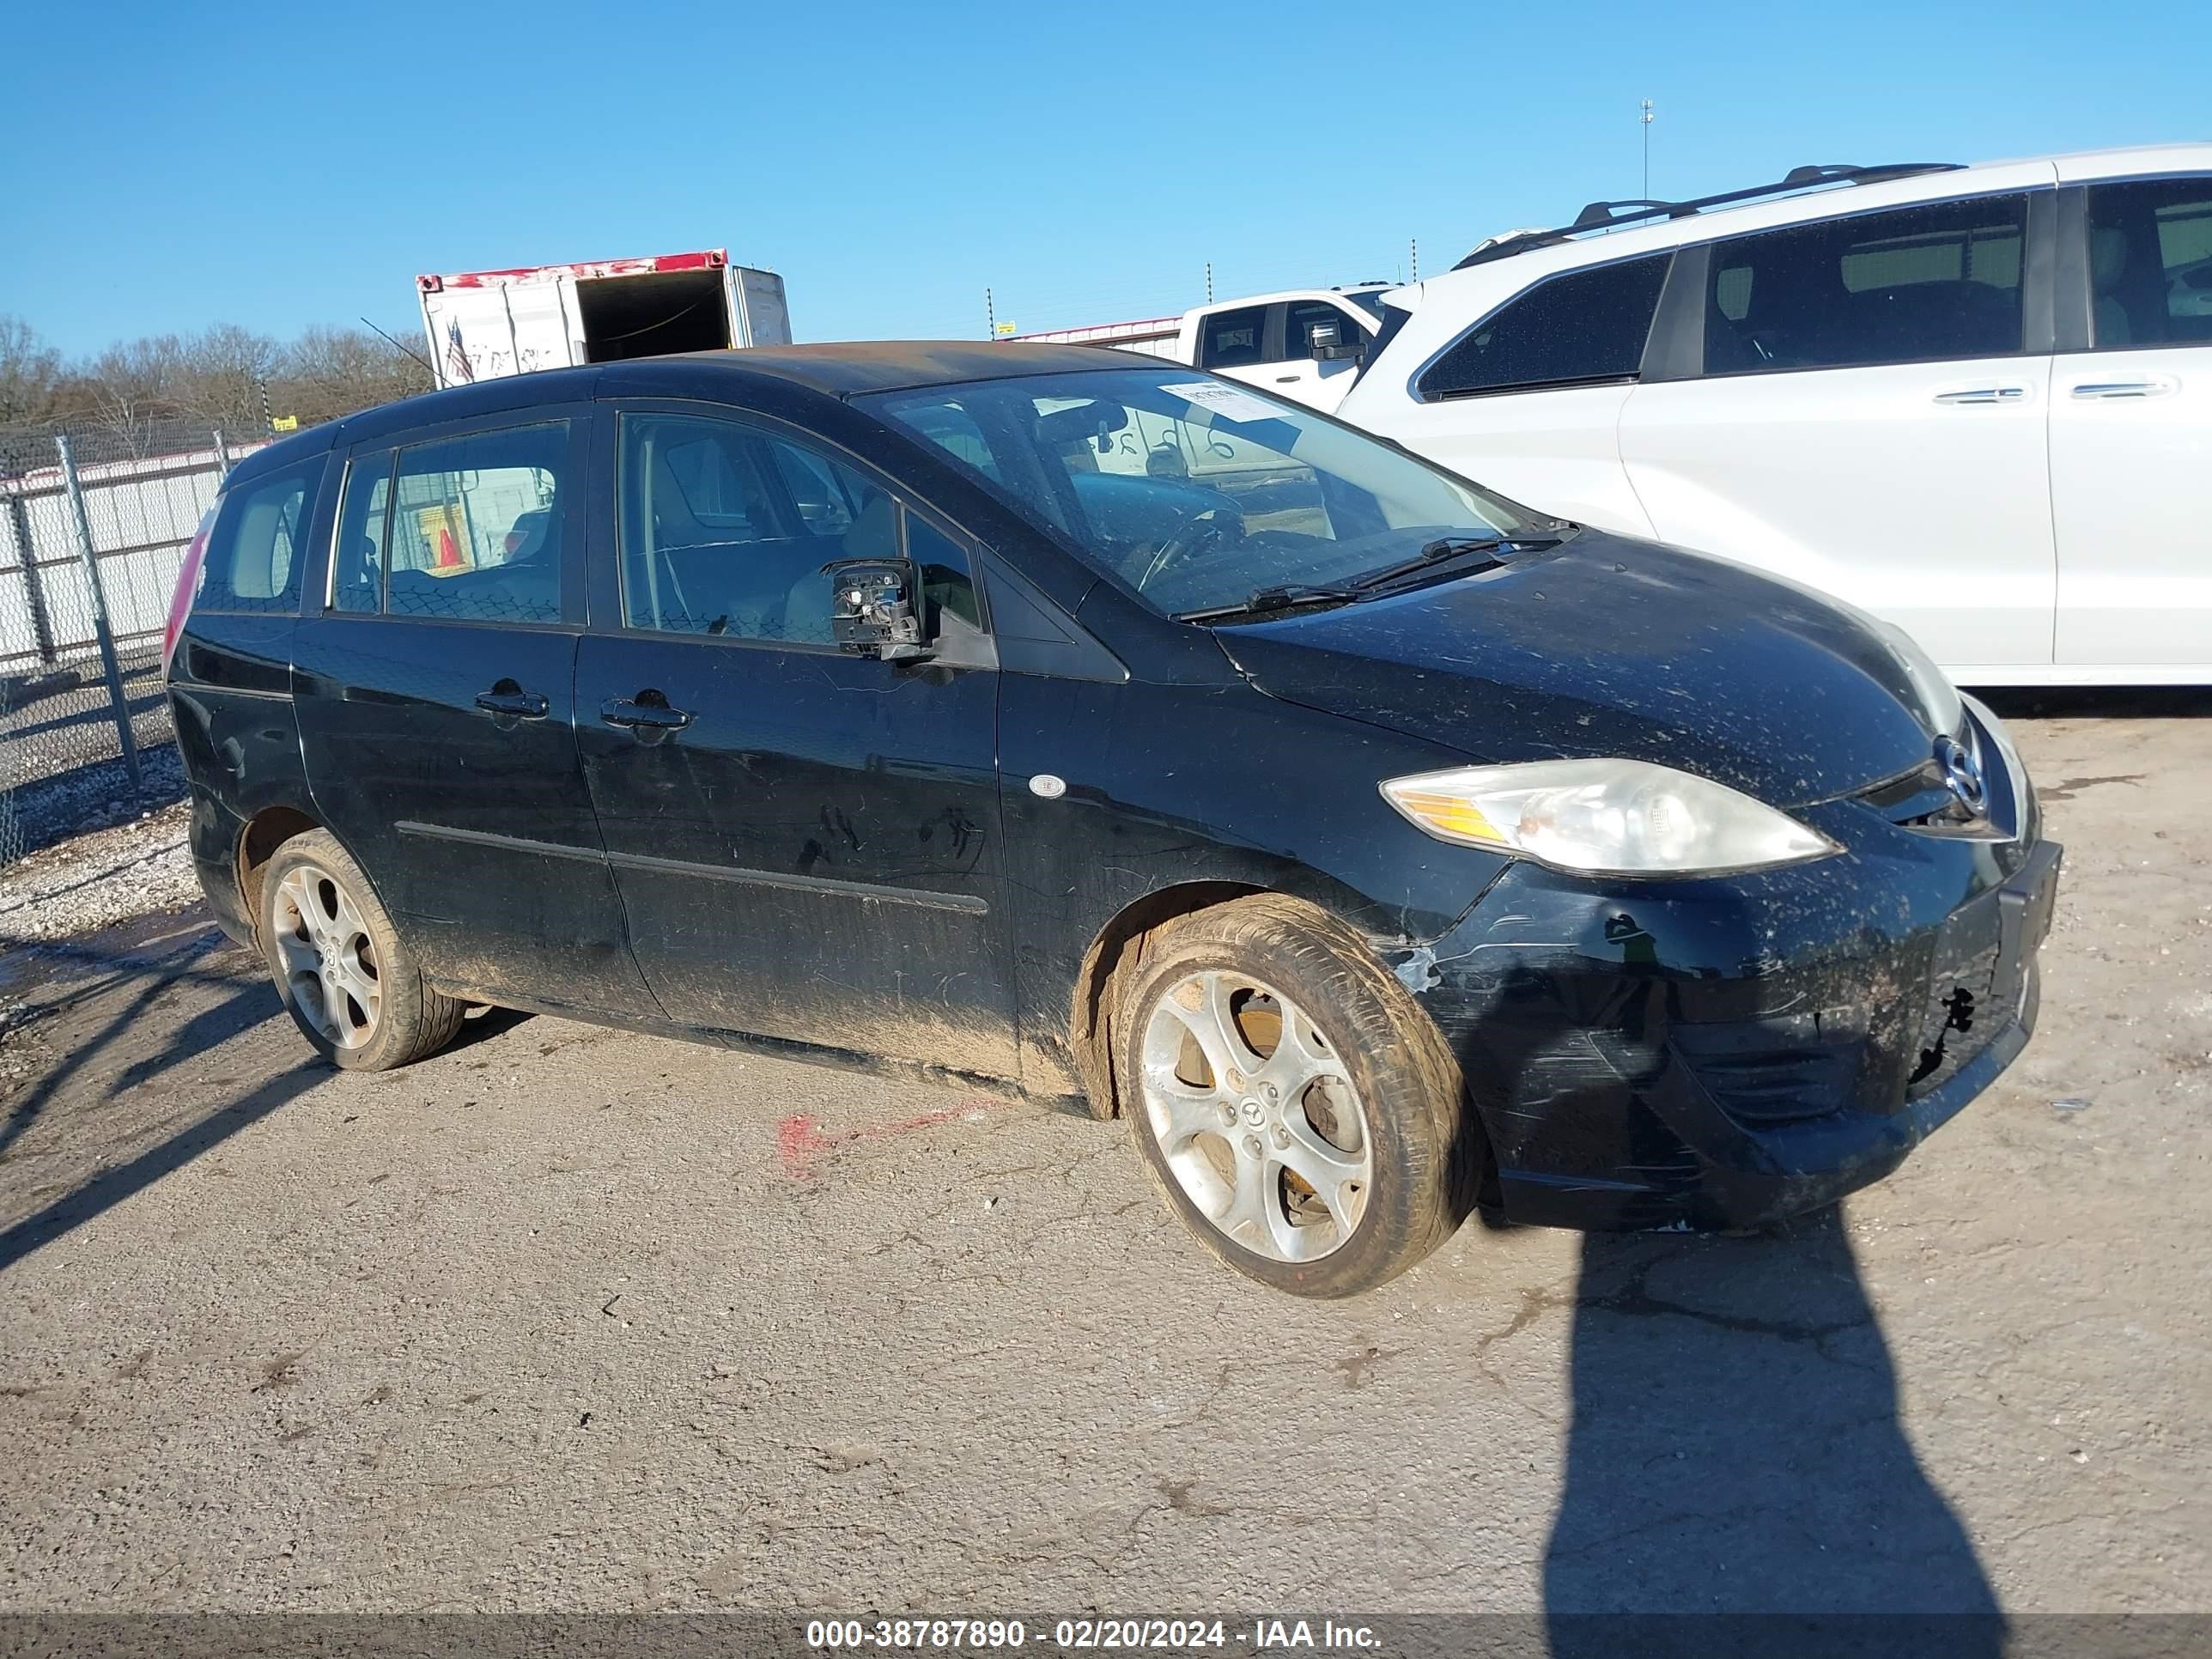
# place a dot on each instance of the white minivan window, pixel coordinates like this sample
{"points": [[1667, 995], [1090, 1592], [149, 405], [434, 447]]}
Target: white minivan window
{"points": [[2150, 261], [1917, 285], [1585, 327]]}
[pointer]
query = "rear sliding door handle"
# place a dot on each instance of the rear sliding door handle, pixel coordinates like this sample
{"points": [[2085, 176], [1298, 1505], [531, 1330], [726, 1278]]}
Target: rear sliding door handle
{"points": [[647, 712], [2158, 386], [1984, 394]]}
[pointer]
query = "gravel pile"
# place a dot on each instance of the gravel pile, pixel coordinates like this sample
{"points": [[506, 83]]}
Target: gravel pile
{"points": [[130, 864]]}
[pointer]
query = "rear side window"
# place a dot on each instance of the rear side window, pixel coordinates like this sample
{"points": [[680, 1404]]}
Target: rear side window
{"points": [[1586, 326], [470, 529], [1233, 339], [2150, 261], [254, 556], [358, 556], [1917, 285]]}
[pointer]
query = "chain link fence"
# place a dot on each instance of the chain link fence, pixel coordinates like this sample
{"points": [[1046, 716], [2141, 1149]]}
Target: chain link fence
{"points": [[94, 521]]}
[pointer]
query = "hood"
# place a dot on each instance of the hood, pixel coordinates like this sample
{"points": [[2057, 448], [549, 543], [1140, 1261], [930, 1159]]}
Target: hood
{"points": [[1608, 646]]}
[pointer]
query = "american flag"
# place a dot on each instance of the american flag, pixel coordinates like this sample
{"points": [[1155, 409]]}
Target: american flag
{"points": [[457, 358]]}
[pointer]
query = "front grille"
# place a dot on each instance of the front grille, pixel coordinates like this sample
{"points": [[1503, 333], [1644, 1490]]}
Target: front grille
{"points": [[1920, 801], [1959, 1020]]}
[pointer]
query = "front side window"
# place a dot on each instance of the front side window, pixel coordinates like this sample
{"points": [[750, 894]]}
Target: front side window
{"points": [[727, 527], [1233, 339], [1917, 285], [254, 553], [1586, 327], [1306, 315], [1192, 492], [462, 530], [2150, 261]]}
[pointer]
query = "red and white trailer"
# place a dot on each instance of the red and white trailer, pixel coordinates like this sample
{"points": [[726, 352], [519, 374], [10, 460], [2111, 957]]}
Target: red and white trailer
{"points": [[485, 324]]}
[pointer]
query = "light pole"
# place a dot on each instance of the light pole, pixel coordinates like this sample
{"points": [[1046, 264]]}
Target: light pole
{"points": [[1646, 122]]}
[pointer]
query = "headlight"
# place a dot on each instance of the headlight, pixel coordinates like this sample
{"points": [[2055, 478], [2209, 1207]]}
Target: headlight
{"points": [[1605, 818]]}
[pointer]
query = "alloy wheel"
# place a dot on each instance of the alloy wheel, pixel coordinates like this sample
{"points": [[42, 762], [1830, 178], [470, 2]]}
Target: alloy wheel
{"points": [[1256, 1117], [327, 956]]}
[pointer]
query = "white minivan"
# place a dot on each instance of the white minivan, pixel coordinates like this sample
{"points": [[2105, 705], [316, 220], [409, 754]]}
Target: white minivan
{"points": [[1976, 401]]}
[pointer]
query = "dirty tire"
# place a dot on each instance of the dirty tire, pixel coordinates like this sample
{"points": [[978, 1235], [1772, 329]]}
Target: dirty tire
{"points": [[412, 1020], [1409, 1093]]}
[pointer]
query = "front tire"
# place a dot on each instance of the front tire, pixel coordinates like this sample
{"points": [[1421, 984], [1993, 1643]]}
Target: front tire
{"points": [[347, 978], [1299, 1110]]}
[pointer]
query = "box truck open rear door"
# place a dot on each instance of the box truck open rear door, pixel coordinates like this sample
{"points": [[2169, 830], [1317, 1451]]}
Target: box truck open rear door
{"points": [[488, 322]]}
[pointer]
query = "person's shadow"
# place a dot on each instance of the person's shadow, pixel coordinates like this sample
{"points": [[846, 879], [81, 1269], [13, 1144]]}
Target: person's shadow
{"points": [[1736, 1450]]}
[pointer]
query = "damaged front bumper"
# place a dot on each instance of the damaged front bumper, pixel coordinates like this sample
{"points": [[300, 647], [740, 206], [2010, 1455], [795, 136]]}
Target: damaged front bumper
{"points": [[1726, 1052]]}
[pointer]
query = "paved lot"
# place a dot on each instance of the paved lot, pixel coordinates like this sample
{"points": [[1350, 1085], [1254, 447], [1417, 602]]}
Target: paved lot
{"points": [[566, 1318]]}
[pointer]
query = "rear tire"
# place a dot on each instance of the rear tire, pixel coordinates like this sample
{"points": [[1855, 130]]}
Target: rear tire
{"points": [[1299, 1110], [348, 980]]}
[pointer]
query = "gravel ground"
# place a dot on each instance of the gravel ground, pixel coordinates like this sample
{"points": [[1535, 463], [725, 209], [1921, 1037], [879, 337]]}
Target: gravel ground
{"points": [[132, 862], [567, 1318]]}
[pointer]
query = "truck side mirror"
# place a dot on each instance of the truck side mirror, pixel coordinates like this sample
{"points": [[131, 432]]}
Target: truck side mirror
{"points": [[1325, 343], [873, 608]]}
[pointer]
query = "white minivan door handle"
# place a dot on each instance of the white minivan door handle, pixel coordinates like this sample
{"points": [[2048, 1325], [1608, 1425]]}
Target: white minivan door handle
{"points": [[2158, 386], [1985, 394]]}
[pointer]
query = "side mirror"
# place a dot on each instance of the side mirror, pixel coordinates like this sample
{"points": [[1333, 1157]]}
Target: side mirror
{"points": [[1325, 343], [874, 608]]}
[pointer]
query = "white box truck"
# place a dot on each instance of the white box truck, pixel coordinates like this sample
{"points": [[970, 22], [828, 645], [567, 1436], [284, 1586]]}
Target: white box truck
{"points": [[485, 324], [1264, 339]]}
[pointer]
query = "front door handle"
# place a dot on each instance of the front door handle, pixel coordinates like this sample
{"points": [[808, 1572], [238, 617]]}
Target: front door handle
{"points": [[648, 711], [1984, 394], [2159, 386], [509, 699]]}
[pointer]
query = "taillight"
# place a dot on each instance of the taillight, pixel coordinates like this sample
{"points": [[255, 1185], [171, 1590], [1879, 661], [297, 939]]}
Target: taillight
{"points": [[188, 582]]}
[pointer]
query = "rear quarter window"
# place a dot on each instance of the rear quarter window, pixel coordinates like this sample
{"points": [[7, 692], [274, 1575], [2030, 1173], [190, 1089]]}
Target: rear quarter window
{"points": [[258, 546]]}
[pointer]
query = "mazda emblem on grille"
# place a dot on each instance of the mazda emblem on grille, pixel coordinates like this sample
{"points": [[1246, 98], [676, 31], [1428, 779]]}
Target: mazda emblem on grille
{"points": [[1962, 773]]}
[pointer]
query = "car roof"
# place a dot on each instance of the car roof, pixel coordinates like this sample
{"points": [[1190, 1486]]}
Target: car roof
{"points": [[1519, 268], [842, 369], [1338, 291]]}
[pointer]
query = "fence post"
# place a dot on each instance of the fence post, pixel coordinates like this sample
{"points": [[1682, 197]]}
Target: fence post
{"points": [[91, 563]]}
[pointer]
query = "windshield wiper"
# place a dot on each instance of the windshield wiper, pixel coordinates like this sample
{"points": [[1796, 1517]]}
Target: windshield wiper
{"points": [[1449, 547], [1269, 601]]}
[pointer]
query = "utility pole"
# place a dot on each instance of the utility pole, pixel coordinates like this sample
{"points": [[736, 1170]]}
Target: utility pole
{"points": [[1209, 281], [990, 318], [1646, 123], [1414, 253]]}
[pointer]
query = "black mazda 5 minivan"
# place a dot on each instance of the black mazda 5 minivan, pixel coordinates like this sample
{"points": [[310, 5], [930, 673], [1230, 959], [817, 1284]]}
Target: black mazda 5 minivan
{"points": [[1377, 848]]}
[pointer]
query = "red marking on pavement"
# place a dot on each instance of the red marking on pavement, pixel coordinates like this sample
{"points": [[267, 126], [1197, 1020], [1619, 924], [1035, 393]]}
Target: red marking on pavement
{"points": [[800, 1140]]}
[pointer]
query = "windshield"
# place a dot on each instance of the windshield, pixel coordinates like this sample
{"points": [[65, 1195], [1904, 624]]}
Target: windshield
{"points": [[1192, 492]]}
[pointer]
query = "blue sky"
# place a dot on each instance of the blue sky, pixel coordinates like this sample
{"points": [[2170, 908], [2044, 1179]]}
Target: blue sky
{"points": [[174, 164]]}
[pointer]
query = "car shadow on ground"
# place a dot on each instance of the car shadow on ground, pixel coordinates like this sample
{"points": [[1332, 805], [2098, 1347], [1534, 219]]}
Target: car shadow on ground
{"points": [[116, 966], [120, 964], [1736, 1449]]}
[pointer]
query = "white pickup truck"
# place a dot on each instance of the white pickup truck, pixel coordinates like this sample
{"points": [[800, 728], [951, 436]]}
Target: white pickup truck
{"points": [[1267, 340]]}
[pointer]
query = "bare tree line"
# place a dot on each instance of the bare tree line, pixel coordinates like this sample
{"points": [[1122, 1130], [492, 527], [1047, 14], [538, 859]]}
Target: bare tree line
{"points": [[224, 376]]}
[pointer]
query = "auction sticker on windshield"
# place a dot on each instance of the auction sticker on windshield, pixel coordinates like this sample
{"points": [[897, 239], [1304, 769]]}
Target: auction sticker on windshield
{"points": [[1225, 400]]}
